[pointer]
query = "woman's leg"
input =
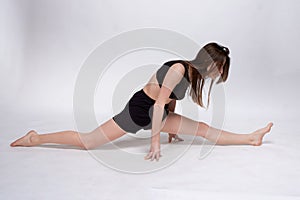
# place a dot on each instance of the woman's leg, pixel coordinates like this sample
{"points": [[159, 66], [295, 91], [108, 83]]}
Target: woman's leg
{"points": [[178, 124], [106, 132]]}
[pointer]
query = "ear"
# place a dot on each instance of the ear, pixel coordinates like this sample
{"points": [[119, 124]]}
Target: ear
{"points": [[221, 70]]}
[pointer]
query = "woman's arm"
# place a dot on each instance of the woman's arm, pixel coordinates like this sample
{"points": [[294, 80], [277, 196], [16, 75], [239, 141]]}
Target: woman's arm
{"points": [[172, 106], [172, 78]]}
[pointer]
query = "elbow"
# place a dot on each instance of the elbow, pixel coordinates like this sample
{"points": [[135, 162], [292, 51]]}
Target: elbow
{"points": [[159, 103]]}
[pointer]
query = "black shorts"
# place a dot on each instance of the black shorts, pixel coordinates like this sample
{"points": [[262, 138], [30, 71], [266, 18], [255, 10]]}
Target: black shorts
{"points": [[137, 113]]}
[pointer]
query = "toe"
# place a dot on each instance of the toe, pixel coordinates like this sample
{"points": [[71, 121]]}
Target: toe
{"points": [[13, 144], [270, 124]]}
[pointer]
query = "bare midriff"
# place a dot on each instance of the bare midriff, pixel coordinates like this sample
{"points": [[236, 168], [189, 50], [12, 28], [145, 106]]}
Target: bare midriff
{"points": [[152, 88]]}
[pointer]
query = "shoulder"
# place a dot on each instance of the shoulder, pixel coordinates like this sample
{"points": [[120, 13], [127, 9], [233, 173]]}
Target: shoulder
{"points": [[178, 67]]}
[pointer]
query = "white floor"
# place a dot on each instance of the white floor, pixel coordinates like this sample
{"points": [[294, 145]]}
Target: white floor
{"points": [[44, 45], [50, 171]]}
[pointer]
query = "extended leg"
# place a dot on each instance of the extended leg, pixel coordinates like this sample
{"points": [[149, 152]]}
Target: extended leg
{"points": [[222, 137], [106, 132], [178, 124]]}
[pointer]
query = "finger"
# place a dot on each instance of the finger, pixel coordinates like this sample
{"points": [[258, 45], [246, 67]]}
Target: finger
{"points": [[157, 156], [149, 155], [154, 156], [178, 139]]}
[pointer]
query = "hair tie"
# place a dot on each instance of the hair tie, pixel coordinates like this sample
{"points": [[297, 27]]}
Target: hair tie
{"points": [[226, 50]]}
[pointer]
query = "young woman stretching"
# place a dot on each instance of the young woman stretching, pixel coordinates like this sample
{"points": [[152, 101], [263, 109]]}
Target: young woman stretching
{"points": [[153, 106]]}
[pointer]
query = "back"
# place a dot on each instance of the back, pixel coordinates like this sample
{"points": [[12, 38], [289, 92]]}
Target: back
{"points": [[180, 89]]}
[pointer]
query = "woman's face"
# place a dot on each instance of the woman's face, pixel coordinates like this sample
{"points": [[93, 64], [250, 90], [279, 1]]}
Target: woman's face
{"points": [[213, 71]]}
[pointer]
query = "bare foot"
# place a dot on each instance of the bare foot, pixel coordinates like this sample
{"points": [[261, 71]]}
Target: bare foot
{"points": [[26, 140], [257, 136]]}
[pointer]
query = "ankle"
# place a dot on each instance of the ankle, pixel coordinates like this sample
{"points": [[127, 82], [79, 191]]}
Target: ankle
{"points": [[251, 139], [34, 139]]}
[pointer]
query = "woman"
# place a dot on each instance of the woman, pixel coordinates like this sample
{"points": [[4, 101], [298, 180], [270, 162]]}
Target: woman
{"points": [[153, 106]]}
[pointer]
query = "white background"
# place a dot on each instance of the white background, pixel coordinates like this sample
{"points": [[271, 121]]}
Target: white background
{"points": [[44, 43]]}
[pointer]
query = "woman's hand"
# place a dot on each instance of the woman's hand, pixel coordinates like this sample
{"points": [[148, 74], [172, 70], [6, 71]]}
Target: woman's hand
{"points": [[176, 138], [154, 152]]}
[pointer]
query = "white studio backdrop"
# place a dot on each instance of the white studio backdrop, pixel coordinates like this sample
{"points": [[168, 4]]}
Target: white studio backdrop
{"points": [[43, 45]]}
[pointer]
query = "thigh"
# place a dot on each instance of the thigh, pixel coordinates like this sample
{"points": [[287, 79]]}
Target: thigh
{"points": [[106, 132], [126, 119], [178, 124]]}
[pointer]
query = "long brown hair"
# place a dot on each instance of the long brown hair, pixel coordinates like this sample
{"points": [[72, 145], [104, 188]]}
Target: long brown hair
{"points": [[211, 53]]}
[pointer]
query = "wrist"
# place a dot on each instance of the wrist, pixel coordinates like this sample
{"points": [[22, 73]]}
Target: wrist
{"points": [[155, 140], [155, 145]]}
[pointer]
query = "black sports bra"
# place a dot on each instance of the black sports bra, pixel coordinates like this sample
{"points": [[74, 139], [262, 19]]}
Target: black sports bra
{"points": [[180, 89]]}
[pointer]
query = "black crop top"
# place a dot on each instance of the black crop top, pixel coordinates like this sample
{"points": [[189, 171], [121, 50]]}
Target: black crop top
{"points": [[180, 89]]}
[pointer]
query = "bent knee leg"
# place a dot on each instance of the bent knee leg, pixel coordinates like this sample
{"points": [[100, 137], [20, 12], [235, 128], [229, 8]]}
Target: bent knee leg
{"points": [[202, 129], [105, 133], [178, 124], [196, 128]]}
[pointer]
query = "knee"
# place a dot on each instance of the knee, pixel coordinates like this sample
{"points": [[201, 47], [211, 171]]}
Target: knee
{"points": [[88, 146], [85, 142], [84, 145]]}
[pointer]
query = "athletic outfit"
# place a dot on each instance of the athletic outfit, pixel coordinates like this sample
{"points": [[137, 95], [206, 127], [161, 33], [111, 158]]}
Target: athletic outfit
{"points": [[138, 111]]}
